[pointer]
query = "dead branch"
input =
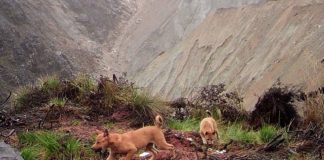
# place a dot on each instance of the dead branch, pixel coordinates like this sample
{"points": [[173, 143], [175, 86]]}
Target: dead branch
{"points": [[9, 134], [6, 100], [274, 143]]}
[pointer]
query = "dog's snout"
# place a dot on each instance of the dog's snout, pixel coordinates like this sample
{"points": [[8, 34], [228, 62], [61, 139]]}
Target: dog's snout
{"points": [[95, 149]]}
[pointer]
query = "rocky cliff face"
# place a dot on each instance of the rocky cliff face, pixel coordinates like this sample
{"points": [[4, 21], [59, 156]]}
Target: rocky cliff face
{"points": [[248, 48], [61, 36]]}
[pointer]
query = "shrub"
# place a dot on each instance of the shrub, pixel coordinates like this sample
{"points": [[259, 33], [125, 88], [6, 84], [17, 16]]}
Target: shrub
{"points": [[227, 106], [276, 107]]}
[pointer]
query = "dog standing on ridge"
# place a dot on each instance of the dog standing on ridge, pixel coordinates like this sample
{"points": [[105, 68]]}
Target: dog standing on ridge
{"points": [[208, 129]]}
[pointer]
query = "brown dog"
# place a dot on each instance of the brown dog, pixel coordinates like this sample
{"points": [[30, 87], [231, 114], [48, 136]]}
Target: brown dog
{"points": [[208, 129], [130, 142]]}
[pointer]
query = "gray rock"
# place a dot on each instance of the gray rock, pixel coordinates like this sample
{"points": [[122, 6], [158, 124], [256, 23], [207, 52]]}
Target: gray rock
{"points": [[8, 153]]}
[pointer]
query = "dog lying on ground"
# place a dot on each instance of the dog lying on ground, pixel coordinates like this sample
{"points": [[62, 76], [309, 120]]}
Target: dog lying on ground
{"points": [[130, 142], [208, 129]]}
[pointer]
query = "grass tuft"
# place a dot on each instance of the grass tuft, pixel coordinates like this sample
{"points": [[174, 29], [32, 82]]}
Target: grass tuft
{"points": [[141, 102], [59, 102], [188, 124], [85, 83], [49, 83], [49, 145], [267, 132], [72, 148], [236, 132], [30, 153], [21, 96], [314, 110]]}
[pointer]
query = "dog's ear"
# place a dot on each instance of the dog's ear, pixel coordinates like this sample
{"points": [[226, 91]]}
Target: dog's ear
{"points": [[98, 131], [106, 133]]}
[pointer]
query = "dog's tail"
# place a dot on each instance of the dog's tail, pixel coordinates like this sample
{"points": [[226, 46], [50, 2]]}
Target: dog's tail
{"points": [[209, 113], [158, 121]]}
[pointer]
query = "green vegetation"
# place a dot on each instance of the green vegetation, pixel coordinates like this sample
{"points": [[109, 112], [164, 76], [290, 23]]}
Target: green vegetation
{"points": [[230, 131], [236, 132], [21, 96], [267, 132], [189, 124], [30, 152], [109, 90], [49, 83], [142, 104], [59, 102], [48, 145], [85, 83]]}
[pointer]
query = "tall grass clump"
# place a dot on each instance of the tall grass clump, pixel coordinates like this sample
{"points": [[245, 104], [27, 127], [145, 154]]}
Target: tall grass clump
{"points": [[59, 102], [109, 91], [49, 83], [141, 103], [30, 153], [314, 109], [72, 148], [85, 83], [236, 132], [143, 107], [20, 97], [49, 145], [267, 132], [27, 97], [49, 141], [188, 124]]}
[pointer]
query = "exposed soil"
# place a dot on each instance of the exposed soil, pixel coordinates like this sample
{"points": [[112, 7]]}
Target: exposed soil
{"points": [[80, 119], [187, 144]]}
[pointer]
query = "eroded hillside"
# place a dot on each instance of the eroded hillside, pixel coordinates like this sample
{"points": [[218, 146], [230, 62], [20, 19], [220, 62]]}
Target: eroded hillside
{"points": [[248, 48], [62, 37], [170, 47]]}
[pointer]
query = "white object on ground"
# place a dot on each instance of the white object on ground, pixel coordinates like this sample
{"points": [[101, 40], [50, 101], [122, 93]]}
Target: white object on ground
{"points": [[144, 155], [220, 152]]}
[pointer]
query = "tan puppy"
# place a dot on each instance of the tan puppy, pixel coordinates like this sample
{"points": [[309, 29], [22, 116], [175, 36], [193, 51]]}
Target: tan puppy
{"points": [[130, 142], [208, 129]]}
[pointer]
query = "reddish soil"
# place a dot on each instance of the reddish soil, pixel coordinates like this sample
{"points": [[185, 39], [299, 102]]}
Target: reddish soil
{"points": [[187, 144]]}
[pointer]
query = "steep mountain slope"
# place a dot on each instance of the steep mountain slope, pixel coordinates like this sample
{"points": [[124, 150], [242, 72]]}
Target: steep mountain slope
{"points": [[248, 48], [160, 25], [61, 36]]}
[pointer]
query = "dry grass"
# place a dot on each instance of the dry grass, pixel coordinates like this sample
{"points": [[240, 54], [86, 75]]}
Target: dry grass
{"points": [[314, 109]]}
